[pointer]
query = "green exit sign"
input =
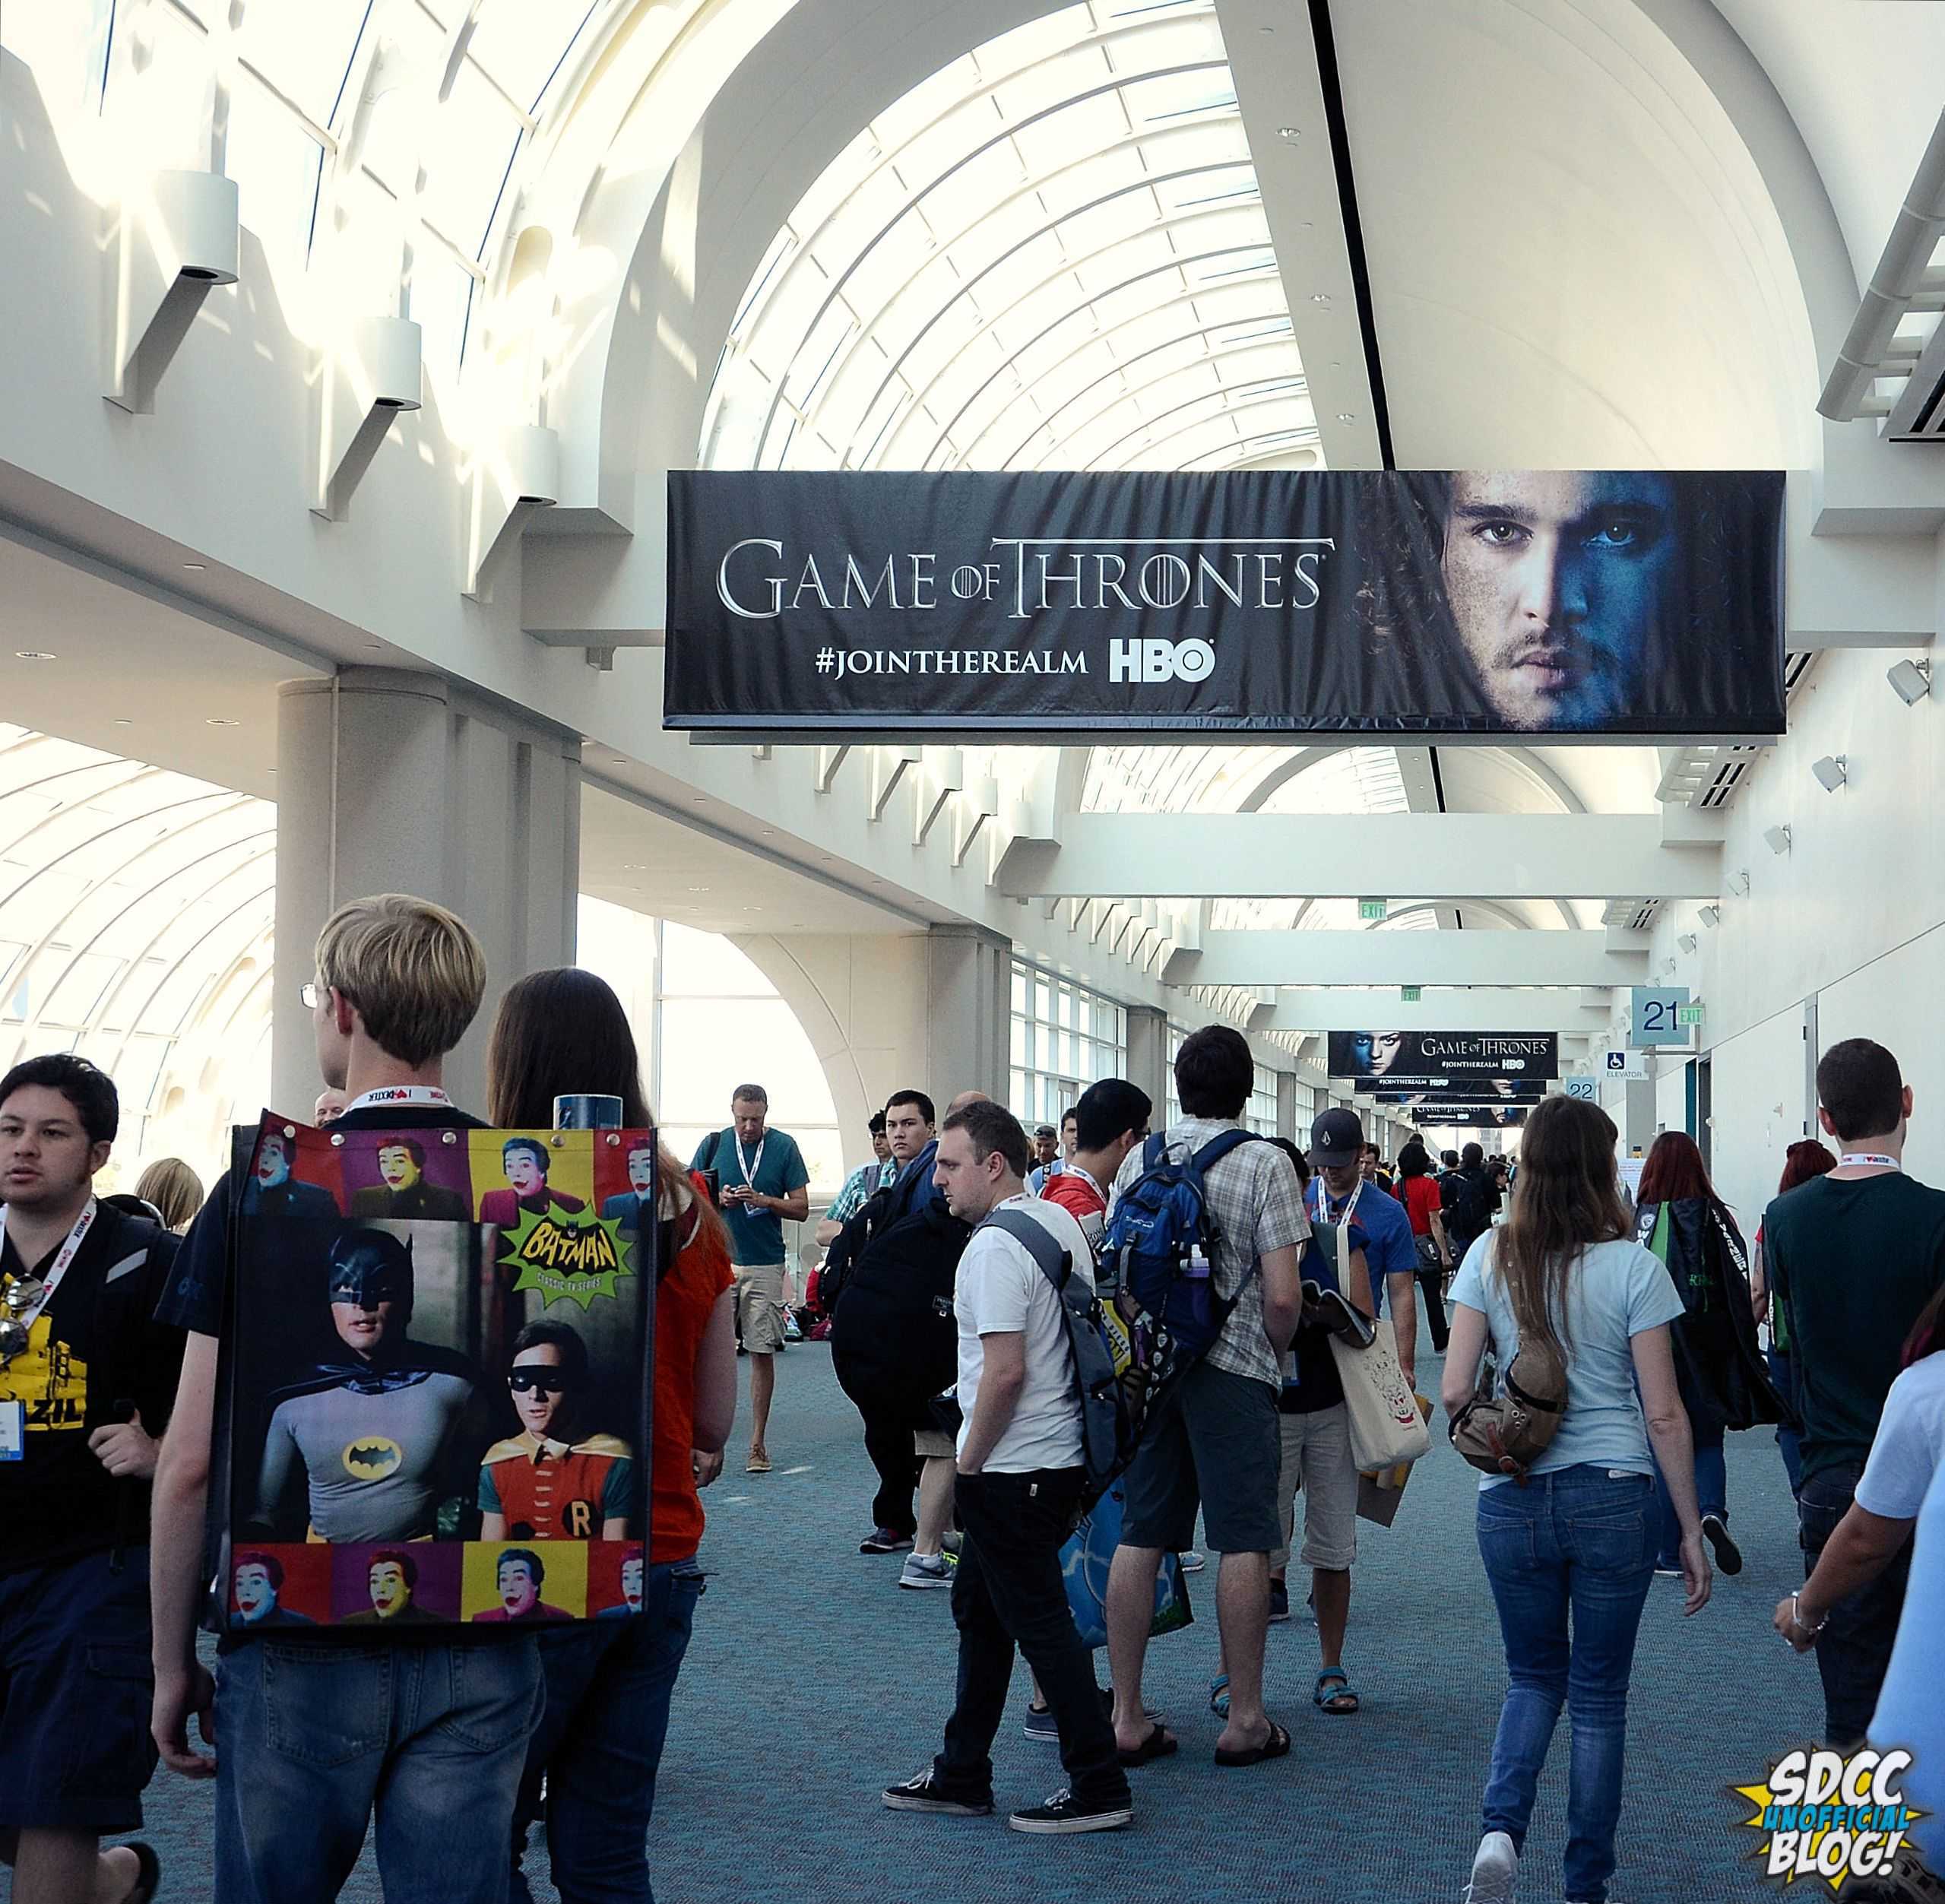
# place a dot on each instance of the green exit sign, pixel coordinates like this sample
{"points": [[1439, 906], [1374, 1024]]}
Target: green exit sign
{"points": [[1410, 994], [1369, 909], [1688, 1015]]}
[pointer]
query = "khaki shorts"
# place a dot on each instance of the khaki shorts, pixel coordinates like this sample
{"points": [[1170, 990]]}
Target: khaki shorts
{"points": [[1316, 1463], [760, 1307], [933, 1444]]}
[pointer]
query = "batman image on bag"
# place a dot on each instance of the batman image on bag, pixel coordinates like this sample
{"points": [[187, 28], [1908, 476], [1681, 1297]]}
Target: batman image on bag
{"points": [[370, 1431]]}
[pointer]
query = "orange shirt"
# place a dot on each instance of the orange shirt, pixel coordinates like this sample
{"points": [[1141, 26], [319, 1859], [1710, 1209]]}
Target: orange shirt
{"points": [[700, 1274]]}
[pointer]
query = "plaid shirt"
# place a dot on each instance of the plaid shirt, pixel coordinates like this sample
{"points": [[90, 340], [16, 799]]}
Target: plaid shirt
{"points": [[860, 1186], [1255, 1207]]}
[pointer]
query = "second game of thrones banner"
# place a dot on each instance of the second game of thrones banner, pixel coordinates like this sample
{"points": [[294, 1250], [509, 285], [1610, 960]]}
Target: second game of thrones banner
{"points": [[1449, 604]]}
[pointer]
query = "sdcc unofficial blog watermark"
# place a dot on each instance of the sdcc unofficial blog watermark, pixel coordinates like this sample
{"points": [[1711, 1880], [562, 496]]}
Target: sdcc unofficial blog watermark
{"points": [[1831, 1815]]}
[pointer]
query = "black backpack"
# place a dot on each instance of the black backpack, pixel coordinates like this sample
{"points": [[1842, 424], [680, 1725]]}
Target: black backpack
{"points": [[1462, 1207], [894, 1339], [840, 1258]]}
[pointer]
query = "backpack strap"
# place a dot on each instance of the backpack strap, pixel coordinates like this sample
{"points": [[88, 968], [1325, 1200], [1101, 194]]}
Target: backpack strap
{"points": [[1220, 1145], [1056, 1263]]}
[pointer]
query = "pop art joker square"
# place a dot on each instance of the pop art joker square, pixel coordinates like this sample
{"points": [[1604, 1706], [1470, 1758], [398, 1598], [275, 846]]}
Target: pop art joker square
{"points": [[439, 1336]]}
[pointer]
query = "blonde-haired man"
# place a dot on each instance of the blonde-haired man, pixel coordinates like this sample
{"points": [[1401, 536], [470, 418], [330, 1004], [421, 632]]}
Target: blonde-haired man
{"points": [[398, 981]]}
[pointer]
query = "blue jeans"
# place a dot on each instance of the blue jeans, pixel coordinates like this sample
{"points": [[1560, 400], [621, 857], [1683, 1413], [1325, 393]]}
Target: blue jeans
{"points": [[609, 1686], [1712, 1494], [1783, 1373], [1573, 1548], [313, 1738]]}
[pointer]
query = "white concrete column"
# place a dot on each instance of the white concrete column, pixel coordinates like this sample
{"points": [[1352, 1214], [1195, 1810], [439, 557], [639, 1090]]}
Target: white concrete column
{"points": [[1286, 1107], [390, 781], [1147, 1056], [968, 1012]]}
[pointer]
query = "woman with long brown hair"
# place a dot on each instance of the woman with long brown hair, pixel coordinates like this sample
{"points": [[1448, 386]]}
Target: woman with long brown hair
{"points": [[561, 1032], [1718, 1361], [1570, 1550]]}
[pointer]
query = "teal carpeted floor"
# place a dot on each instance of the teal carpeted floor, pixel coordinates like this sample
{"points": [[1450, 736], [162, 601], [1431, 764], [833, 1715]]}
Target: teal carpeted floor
{"points": [[812, 1681]]}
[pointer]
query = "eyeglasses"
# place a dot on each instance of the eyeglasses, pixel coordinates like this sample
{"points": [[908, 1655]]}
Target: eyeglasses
{"points": [[549, 1381]]}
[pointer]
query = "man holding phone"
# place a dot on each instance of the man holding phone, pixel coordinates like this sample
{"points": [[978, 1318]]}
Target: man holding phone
{"points": [[763, 1182]]}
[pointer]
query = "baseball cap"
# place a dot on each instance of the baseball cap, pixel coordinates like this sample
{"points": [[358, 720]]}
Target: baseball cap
{"points": [[1336, 1139]]}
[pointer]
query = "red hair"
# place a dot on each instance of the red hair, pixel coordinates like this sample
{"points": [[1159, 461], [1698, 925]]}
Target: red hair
{"points": [[1804, 1159], [1675, 1170]]}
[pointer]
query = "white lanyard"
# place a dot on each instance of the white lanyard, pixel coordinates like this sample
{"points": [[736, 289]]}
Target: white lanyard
{"points": [[388, 1095], [1075, 1170], [25, 1312], [1872, 1157], [750, 1169], [1323, 1204]]}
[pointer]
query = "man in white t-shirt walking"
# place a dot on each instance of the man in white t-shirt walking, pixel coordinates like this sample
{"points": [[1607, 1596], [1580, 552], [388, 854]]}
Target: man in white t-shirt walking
{"points": [[1020, 1485]]}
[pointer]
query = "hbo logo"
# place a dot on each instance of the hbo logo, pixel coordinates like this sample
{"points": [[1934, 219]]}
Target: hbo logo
{"points": [[1158, 660]]}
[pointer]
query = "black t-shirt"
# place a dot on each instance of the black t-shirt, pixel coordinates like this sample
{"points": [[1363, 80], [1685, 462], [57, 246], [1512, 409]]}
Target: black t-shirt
{"points": [[1852, 1261], [93, 1346]]}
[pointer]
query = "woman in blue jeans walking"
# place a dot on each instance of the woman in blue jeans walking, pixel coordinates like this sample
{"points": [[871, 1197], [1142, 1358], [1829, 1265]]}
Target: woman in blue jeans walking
{"points": [[592, 1761], [1569, 1547]]}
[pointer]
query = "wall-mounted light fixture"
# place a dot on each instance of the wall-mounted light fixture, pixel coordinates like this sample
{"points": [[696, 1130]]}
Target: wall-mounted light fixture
{"points": [[1911, 681], [1737, 882], [1832, 772], [1777, 838], [167, 249], [1711, 917], [1688, 942]]}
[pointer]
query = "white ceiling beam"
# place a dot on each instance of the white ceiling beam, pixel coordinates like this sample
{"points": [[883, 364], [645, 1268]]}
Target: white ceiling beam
{"points": [[1408, 958], [1419, 856], [1482, 1010]]}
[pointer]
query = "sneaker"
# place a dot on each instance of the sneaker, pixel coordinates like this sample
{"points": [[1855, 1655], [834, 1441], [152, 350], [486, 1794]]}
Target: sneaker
{"points": [[1728, 1556], [923, 1794], [1039, 1725], [1192, 1561], [922, 1570], [952, 1541], [1495, 1870], [1064, 1813], [1279, 1602], [882, 1540]]}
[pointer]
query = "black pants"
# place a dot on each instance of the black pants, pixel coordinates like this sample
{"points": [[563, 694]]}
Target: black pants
{"points": [[1431, 1283], [887, 1440], [1009, 1592], [1854, 1650]]}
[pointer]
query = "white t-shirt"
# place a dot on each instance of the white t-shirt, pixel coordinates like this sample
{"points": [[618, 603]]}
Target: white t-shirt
{"points": [[1909, 1711], [1001, 1291], [1909, 1446]]}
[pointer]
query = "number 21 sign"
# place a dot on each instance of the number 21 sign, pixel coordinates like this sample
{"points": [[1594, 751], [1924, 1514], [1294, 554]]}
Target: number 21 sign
{"points": [[1656, 1017]]}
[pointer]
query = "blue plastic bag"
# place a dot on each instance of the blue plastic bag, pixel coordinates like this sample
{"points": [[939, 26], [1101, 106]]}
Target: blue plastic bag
{"points": [[1084, 1564]]}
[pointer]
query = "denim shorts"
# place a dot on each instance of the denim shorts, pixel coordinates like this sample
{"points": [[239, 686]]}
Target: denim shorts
{"points": [[75, 1690]]}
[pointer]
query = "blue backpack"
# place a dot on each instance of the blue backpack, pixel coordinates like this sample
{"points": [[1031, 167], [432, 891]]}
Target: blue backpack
{"points": [[1110, 1425], [1157, 1248]]}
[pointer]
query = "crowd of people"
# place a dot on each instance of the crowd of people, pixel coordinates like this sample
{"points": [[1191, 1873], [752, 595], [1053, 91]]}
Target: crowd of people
{"points": [[1599, 1348]]}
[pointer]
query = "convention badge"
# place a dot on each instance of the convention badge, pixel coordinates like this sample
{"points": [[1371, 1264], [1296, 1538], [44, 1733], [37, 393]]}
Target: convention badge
{"points": [[13, 1431]]}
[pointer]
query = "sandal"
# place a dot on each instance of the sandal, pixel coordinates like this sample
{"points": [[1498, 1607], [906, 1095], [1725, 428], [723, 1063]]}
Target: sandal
{"points": [[1275, 1747], [1218, 1696], [1333, 1703], [1159, 1744], [148, 1876]]}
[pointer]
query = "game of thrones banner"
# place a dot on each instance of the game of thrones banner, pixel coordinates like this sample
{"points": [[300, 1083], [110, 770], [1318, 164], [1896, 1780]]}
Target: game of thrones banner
{"points": [[438, 1361], [1471, 1117], [1467, 602], [1389, 1061], [1459, 1091]]}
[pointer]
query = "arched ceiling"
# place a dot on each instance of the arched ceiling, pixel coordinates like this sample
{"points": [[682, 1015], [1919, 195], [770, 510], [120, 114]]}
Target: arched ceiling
{"points": [[1052, 254], [135, 916]]}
